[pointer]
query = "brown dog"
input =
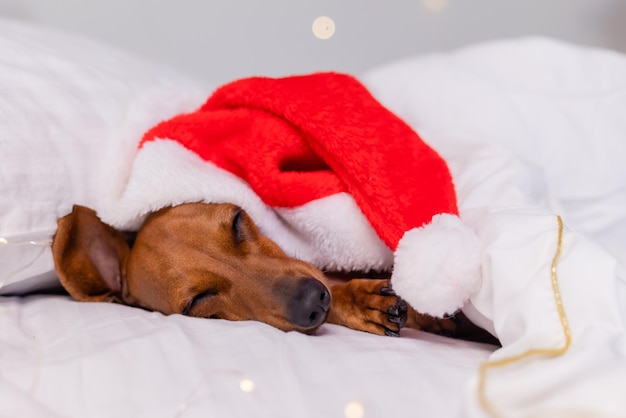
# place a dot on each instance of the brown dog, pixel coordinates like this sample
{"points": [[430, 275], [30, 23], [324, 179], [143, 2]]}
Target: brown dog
{"points": [[211, 261]]}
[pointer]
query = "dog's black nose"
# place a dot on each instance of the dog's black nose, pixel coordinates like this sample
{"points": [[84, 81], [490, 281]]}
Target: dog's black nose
{"points": [[310, 306]]}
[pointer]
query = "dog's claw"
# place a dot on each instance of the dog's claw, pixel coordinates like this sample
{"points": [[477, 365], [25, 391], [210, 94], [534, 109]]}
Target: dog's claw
{"points": [[398, 313], [400, 320], [387, 291], [391, 333], [403, 306], [403, 320]]}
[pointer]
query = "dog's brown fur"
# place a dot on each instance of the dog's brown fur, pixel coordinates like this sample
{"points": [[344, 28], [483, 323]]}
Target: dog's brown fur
{"points": [[211, 261]]}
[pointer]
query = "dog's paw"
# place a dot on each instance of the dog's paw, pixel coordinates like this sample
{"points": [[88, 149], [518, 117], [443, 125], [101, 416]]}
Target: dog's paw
{"points": [[368, 305]]}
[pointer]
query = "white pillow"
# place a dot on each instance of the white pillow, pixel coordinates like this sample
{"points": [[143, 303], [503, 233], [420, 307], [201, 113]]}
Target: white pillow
{"points": [[65, 107]]}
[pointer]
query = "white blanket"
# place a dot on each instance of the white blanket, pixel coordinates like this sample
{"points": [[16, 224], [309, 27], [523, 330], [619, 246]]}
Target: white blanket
{"points": [[533, 129]]}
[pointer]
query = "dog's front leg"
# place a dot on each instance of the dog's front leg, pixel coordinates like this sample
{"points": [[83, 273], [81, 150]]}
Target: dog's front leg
{"points": [[367, 305]]}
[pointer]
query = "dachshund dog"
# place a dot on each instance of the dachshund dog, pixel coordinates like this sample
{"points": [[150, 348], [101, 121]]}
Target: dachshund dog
{"points": [[211, 261]]}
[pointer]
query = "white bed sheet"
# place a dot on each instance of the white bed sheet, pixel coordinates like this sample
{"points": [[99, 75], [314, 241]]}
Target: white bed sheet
{"points": [[69, 359]]}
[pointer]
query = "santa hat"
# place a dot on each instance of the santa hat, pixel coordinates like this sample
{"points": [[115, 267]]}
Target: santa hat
{"points": [[300, 140]]}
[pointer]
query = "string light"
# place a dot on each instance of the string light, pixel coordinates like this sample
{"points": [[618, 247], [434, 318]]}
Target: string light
{"points": [[323, 27], [435, 5], [40, 243], [354, 409], [246, 385]]}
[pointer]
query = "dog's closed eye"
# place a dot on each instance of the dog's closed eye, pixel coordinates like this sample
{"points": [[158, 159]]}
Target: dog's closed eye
{"points": [[200, 297]]}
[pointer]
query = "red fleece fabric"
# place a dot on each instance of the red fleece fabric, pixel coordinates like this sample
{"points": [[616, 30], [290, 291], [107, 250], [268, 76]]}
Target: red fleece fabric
{"points": [[301, 138]]}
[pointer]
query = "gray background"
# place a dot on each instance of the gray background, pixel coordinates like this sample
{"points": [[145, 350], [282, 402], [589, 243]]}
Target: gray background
{"points": [[226, 39]]}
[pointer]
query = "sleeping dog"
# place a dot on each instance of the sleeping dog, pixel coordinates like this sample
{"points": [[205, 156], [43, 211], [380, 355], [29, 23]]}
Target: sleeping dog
{"points": [[211, 261]]}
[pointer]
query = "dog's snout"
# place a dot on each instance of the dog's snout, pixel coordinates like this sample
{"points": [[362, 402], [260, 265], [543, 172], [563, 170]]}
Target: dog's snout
{"points": [[310, 306]]}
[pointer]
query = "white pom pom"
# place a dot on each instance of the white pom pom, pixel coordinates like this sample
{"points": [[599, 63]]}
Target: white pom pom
{"points": [[437, 267]]}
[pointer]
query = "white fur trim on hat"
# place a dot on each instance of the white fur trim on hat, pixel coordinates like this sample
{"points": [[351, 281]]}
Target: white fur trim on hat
{"points": [[437, 266]]}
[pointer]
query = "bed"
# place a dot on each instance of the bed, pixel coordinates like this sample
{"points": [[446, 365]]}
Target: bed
{"points": [[534, 134]]}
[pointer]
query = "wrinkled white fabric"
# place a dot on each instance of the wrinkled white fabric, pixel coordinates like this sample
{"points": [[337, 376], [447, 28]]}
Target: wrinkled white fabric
{"points": [[532, 129], [73, 359]]}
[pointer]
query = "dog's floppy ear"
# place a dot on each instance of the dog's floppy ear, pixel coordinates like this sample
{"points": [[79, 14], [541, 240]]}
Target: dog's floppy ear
{"points": [[89, 257]]}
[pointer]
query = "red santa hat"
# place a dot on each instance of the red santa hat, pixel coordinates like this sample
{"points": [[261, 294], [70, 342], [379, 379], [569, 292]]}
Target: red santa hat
{"points": [[299, 140]]}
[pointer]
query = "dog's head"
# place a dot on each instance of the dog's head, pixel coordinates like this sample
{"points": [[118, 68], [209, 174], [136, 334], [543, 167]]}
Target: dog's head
{"points": [[197, 259]]}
